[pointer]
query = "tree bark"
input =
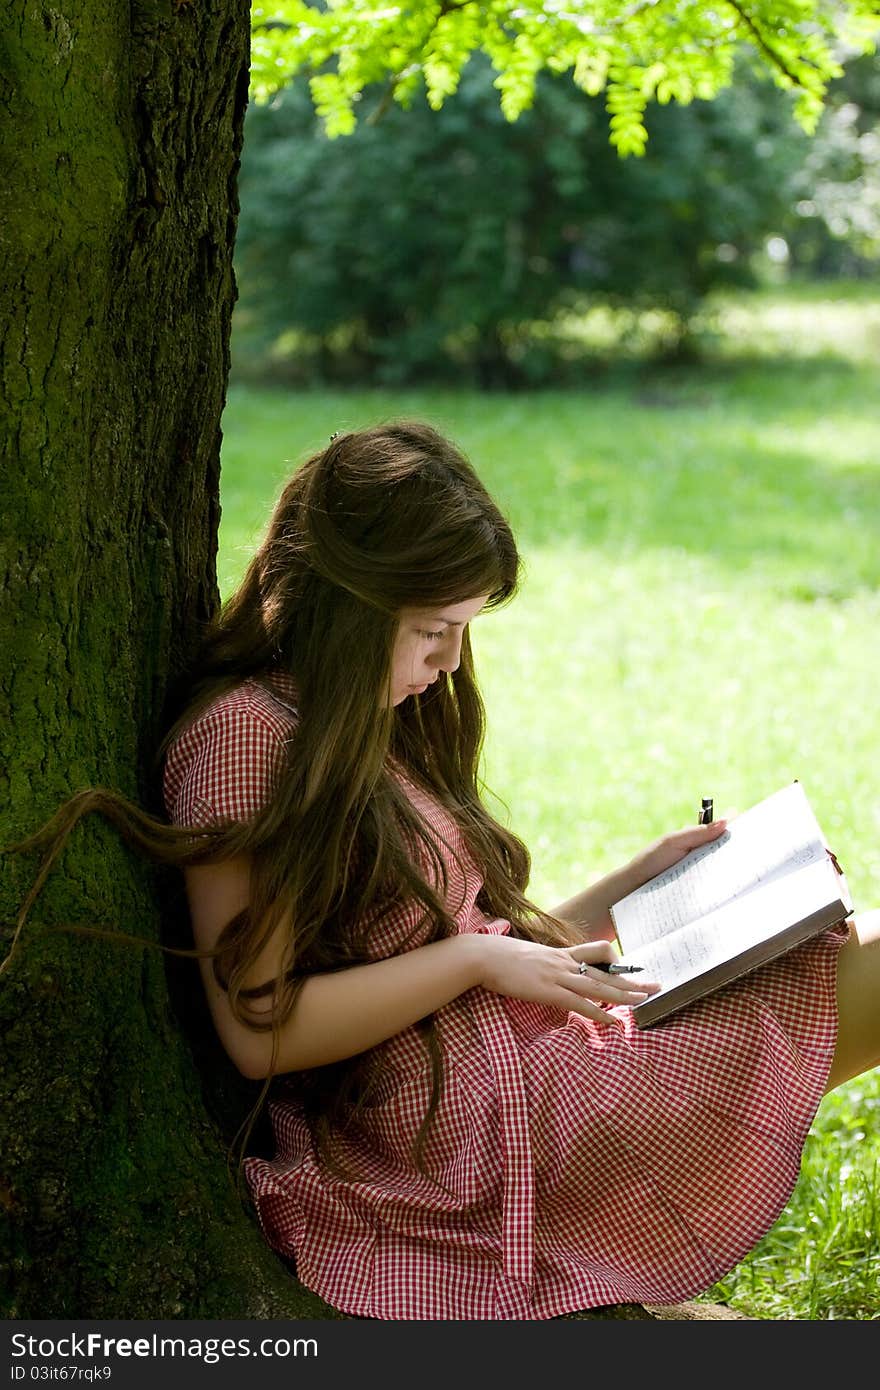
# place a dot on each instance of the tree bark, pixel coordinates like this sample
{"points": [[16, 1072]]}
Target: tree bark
{"points": [[123, 127]]}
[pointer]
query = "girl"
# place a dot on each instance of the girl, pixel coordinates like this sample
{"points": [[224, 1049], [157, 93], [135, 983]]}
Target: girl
{"points": [[466, 1123]]}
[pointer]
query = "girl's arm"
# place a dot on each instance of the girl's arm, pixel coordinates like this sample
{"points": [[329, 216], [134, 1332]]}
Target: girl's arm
{"points": [[588, 910], [343, 1012], [337, 1014]]}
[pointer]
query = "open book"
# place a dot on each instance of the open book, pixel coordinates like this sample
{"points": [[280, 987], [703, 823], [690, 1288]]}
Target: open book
{"points": [[765, 885]]}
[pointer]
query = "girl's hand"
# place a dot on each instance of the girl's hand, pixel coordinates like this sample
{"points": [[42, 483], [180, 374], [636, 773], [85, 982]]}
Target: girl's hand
{"points": [[589, 909], [666, 851], [549, 975]]}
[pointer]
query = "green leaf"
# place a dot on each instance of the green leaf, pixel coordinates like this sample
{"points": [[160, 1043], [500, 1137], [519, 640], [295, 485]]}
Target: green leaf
{"points": [[663, 51]]}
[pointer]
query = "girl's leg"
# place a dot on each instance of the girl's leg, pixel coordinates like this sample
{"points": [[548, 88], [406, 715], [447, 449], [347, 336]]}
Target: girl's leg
{"points": [[858, 1001]]}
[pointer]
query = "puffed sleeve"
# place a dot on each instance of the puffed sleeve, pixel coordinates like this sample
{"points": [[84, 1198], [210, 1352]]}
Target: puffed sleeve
{"points": [[224, 766]]}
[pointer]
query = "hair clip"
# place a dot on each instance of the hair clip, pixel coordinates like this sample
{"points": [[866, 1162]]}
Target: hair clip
{"points": [[335, 436]]}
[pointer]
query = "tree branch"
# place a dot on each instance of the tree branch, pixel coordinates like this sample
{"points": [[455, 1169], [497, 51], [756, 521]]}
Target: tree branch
{"points": [[762, 43]]}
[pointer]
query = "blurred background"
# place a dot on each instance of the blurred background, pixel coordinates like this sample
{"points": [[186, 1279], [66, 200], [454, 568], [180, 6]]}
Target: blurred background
{"points": [[665, 369], [457, 246]]}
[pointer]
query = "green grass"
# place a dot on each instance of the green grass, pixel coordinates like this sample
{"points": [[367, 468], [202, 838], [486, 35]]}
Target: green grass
{"points": [[699, 616]]}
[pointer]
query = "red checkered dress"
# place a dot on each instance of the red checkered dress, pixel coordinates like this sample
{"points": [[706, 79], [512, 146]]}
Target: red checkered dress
{"points": [[570, 1165]]}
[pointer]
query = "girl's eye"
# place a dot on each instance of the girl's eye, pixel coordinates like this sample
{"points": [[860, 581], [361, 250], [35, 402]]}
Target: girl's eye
{"points": [[432, 636]]}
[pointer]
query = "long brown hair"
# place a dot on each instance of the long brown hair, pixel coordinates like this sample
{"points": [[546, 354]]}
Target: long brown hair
{"points": [[382, 519]]}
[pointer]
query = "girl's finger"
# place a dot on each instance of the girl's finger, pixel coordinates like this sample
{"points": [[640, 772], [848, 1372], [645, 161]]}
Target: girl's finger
{"points": [[699, 834], [616, 988], [613, 989], [590, 951], [611, 995], [592, 1012]]}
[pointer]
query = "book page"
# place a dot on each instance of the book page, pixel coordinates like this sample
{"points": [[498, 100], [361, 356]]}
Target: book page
{"points": [[774, 837], [734, 928]]}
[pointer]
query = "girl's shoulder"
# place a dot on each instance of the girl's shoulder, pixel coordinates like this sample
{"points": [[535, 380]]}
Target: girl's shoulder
{"points": [[224, 764]]}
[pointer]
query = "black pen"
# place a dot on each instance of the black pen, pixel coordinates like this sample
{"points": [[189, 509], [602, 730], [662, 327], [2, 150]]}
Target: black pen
{"points": [[706, 811], [616, 969]]}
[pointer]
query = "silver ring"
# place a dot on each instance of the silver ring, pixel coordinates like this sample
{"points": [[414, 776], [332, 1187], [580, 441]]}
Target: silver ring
{"points": [[583, 967]]}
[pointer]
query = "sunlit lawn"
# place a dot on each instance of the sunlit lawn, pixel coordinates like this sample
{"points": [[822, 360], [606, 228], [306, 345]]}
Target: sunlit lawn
{"points": [[699, 616]]}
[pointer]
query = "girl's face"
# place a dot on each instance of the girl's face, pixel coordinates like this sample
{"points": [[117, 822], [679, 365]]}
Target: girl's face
{"points": [[428, 641]]}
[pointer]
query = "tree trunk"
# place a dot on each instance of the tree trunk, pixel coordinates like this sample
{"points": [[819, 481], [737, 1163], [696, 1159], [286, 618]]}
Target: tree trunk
{"points": [[118, 218]]}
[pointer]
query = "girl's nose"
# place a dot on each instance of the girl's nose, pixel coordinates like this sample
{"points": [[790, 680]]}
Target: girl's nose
{"points": [[450, 653]]}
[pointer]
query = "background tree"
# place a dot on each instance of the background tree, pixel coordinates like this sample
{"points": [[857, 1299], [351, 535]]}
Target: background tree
{"points": [[123, 130], [443, 244], [834, 225]]}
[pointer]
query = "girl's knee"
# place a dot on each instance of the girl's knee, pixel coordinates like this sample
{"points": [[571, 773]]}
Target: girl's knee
{"points": [[858, 1001], [866, 927]]}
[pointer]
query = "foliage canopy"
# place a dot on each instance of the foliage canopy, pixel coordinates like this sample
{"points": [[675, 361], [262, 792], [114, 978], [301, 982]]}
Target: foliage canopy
{"points": [[435, 243], [636, 53]]}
